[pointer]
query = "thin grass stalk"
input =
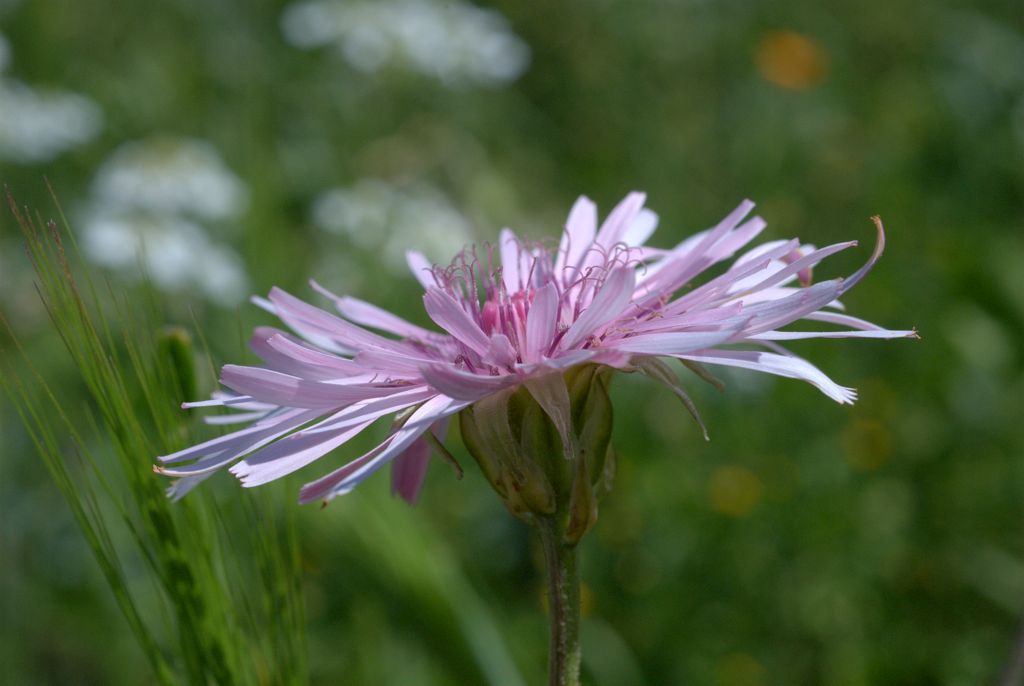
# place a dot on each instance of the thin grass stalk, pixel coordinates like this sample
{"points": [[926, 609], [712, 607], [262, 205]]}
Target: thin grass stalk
{"points": [[136, 394]]}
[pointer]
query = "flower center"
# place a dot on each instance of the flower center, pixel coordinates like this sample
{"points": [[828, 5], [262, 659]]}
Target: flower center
{"points": [[502, 312]]}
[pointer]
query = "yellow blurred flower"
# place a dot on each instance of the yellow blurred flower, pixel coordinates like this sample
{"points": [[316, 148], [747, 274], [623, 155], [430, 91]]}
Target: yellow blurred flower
{"points": [[867, 444], [739, 669], [791, 60], [734, 490]]}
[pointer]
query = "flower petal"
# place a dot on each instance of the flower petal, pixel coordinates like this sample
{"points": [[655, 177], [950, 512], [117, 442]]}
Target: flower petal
{"points": [[843, 320], [394, 365], [692, 257], [231, 441], [304, 317], [577, 238], [290, 454], [562, 360], [239, 401], [791, 270], [232, 450], [409, 470], [348, 477], [450, 316], [607, 305], [855, 278], [322, 487], [239, 418], [781, 365], [540, 323], [182, 487], [511, 273], [292, 391], [461, 385], [619, 219], [286, 354], [769, 315], [421, 268], [640, 229], [372, 409], [501, 351], [858, 333], [721, 286], [367, 314], [673, 342]]}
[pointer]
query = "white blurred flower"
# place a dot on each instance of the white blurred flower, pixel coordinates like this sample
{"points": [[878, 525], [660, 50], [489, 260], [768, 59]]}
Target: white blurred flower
{"points": [[381, 216], [173, 176], [149, 199], [38, 125], [221, 275], [454, 42], [174, 252]]}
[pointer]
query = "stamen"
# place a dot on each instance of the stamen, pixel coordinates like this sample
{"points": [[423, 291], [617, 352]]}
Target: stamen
{"points": [[804, 275], [476, 281]]}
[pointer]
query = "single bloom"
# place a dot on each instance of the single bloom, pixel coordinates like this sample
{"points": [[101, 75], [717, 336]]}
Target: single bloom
{"points": [[518, 320]]}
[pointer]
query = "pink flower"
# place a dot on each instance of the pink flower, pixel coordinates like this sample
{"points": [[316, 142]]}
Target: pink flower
{"points": [[516, 315]]}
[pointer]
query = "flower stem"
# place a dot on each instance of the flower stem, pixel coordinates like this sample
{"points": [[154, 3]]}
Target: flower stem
{"points": [[561, 561]]}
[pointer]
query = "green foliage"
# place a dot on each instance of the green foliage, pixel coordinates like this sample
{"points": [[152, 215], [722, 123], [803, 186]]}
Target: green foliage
{"points": [[803, 544], [220, 631]]}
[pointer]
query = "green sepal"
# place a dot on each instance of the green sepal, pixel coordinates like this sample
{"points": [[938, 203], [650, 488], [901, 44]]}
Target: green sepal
{"points": [[596, 417], [475, 445], [541, 444], [582, 505], [702, 373], [521, 482], [662, 373], [604, 484], [537, 468]]}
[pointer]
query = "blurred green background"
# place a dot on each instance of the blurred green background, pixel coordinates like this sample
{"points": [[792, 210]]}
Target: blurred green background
{"points": [[251, 144]]}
